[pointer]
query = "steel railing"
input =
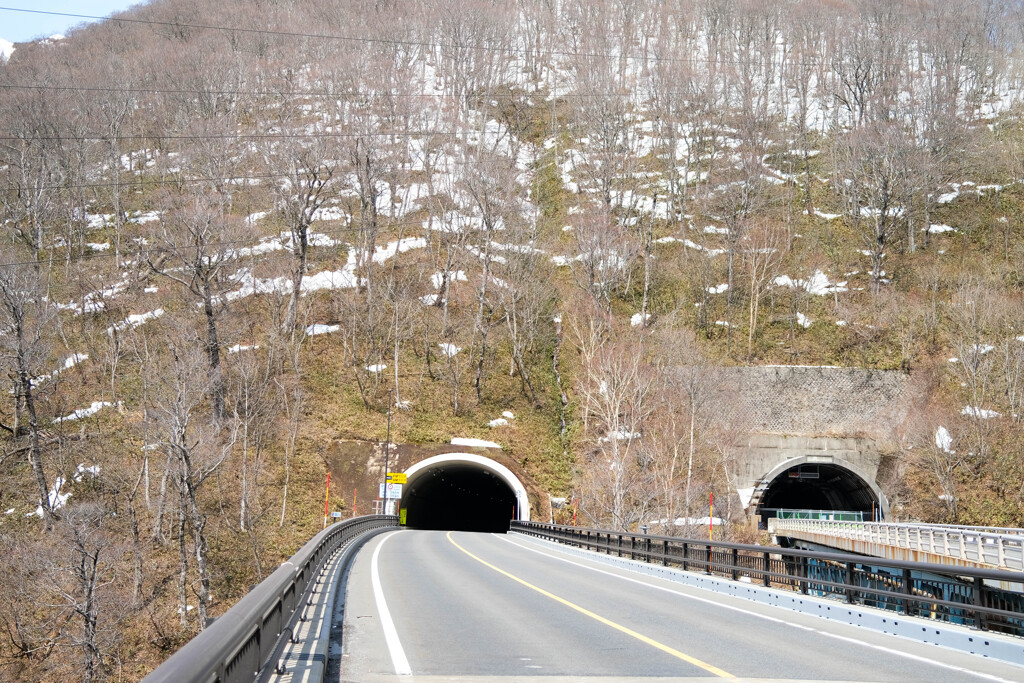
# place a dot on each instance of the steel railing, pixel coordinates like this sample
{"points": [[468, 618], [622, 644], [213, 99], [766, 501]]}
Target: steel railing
{"points": [[912, 588], [996, 547], [241, 644]]}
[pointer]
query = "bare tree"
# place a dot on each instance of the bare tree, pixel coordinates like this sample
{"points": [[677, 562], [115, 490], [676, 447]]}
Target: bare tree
{"points": [[877, 161], [304, 190], [196, 448], [765, 247], [24, 319], [617, 388], [197, 241]]}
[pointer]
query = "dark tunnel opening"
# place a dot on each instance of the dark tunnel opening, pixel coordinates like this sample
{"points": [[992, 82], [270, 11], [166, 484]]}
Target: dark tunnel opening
{"points": [[819, 487], [459, 497]]}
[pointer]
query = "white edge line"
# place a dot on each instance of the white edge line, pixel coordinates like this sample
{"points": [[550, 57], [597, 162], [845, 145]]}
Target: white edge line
{"points": [[398, 658], [907, 655]]}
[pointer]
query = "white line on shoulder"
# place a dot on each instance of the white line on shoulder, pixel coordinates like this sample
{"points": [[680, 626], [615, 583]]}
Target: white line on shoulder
{"points": [[398, 658]]}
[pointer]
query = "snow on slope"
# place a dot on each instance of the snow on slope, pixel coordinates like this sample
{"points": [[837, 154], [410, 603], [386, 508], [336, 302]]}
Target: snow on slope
{"points": [[6, 50]]}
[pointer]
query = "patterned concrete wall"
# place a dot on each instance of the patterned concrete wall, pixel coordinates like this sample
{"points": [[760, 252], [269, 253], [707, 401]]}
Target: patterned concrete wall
{"points": [[815, 401]]}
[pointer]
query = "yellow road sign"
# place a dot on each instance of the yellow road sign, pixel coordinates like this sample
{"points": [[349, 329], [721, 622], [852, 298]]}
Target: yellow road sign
{"points": [[397, 478]]}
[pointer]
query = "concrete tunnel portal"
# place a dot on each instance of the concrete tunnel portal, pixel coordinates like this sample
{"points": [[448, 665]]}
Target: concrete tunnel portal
{"points": [[463, 492]]}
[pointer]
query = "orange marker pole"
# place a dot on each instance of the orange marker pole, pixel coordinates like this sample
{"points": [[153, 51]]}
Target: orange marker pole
{"points": [[327, 499], [711, 517], [355, 497]]}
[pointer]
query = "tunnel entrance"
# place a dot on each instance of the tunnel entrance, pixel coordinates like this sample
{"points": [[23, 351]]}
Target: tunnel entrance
{"points": [[826, 487], [463, 492]]}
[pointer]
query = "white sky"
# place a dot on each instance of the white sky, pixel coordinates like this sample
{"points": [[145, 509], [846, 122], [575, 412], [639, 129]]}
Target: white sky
{"points": [[19, 27]]}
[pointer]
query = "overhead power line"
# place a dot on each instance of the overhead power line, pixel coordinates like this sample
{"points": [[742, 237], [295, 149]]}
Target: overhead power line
{"points": [[349, 95], [501, 49], [242, 136]]}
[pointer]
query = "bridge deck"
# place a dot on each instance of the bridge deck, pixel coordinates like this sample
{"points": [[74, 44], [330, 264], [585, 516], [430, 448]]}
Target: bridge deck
{"points": [[950, 545]]}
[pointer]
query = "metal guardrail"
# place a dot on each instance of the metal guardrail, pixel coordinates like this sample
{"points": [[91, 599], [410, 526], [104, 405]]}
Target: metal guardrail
{"points": [[912, 588], [241, 644], [970, 544]]}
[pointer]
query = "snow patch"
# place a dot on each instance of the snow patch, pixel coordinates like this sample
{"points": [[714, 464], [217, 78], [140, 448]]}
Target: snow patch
{"points": [[238, 348], [817, 284], [376, 368], [57, 499], [71, 362], [6, 50], [473, 443], [449, 350], [133, 321], [499, 422], [983, 413], [94, 407], [382, 254], [639, 319], [314, 330], [83, 469], [803, 321], [943, 439]]}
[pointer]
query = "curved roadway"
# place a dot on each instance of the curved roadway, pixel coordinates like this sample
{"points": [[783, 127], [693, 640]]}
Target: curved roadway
{"points": [[473, 607]]}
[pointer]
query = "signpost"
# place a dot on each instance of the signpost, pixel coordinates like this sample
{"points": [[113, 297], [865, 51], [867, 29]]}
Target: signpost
{"points": [[390, 491]]}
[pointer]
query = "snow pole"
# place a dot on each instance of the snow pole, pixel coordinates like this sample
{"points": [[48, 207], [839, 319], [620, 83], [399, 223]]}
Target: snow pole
{"points": [[327, 499], [355, 497], [711, 517]]}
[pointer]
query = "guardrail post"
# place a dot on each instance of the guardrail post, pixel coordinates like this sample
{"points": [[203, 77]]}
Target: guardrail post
{"points": [[664, 553], [619, 544], [908, 590], [803, 572], [686, 551], [978, 600], [735, 564], [647, 548], [707, 566], [849, 583], [765, 578]]}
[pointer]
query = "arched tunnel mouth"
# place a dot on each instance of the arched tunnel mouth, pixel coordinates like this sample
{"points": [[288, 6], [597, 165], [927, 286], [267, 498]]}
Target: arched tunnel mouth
{"points": [[459, 496], [819, 487]]}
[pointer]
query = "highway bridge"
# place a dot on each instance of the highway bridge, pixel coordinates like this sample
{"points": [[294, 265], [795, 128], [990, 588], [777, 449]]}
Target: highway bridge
{"points": [[398, 604]]}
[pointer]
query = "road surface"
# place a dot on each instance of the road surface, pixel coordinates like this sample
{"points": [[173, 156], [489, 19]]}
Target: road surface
{"points": [[438, 605]]}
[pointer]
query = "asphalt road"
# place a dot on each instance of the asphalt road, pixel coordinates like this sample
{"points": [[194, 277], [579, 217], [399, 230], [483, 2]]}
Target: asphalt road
{"points": [[475, 607]]}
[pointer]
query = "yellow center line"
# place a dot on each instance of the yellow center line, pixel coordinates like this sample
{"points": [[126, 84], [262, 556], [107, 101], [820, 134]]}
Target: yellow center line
{"points": [[597, 617]]}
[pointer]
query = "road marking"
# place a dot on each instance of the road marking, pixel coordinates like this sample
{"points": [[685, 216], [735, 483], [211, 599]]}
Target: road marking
{"points": [[597, 617], [398, 658], [801, 627]]}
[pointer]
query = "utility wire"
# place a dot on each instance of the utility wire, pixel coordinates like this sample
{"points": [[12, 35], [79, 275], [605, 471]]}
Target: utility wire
{"points": [[382, 41], [349, 95], [242, 136]]}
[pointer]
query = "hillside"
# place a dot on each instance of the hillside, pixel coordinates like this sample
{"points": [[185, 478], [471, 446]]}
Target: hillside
{"points": [[237, 234]]}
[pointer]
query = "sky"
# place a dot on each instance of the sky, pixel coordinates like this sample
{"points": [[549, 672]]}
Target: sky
{"points": [[19, 27]]}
